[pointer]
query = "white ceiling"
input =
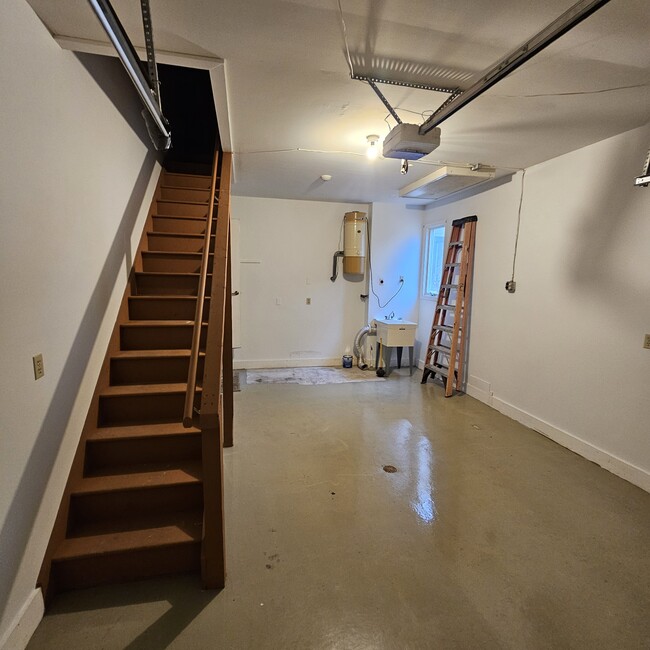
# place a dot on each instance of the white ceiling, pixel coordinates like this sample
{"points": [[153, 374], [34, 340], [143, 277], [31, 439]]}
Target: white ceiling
{"points": [[289, 86]]}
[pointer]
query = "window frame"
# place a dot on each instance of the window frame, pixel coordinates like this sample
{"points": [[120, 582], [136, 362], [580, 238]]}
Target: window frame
{"points": [[426, 241]]}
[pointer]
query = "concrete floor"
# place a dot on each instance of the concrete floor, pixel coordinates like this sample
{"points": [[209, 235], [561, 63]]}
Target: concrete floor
{"points": [[488, 536]]}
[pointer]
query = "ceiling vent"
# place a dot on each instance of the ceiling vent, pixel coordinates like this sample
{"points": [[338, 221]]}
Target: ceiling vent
{"points": [[445, 181]]}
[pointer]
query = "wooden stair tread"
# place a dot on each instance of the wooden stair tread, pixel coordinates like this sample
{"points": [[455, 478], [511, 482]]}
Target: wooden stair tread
{"points": [[164, 297], [161, 274], [152, 354], [133, 479], [186, 174], [159, 323], [189, 254], [183, 202], [179, 217], [141, 431], [117, 542], [167, 186], [144, 389], [191, 235]]}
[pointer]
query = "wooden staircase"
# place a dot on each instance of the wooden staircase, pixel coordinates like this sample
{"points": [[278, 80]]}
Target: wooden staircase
{"points": [[135, 502]]}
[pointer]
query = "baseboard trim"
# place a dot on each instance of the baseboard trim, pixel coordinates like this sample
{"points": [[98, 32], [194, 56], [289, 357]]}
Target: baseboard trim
{"points": [[256, 364], [25, 623], [622, 468]]}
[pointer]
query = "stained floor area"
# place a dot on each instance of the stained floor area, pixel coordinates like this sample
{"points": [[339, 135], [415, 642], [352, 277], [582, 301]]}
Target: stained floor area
{"points": [[488, 535]]}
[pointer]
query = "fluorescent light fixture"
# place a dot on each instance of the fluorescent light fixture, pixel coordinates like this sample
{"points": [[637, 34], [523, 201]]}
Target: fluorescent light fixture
{"points": [[445, 181]]}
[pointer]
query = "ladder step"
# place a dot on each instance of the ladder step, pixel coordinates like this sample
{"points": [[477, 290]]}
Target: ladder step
{"points": [[442, 349], [449, 286], [455, 243], [452, 264], [444, 328], [445, 307], [440, 370]]}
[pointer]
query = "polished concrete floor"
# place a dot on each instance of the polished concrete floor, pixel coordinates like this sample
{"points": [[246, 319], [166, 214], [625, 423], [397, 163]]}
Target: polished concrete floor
{"points": [[488, 535]]}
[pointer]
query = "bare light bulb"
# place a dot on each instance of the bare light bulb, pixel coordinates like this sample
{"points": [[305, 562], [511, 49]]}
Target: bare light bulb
{"points": [[373, 147]]}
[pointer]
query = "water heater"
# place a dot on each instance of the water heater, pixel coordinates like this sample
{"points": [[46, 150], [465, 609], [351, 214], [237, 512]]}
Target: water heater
{"points": [[355, 241]]}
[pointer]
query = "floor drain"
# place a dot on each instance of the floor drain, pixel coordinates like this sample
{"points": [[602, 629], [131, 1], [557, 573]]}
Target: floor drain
{"points": [[391, 469]]}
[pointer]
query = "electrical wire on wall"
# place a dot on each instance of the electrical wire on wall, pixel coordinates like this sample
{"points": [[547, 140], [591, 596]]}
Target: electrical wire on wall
{"points": [[510, 286], [372, 286], [345, 40]]}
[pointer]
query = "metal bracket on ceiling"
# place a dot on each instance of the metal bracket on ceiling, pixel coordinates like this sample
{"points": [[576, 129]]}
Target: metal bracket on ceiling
{"points": [[560, 26], [385, 102], [154, 82], [131, 62], [373, 81], [644, 179], [404, 84]]}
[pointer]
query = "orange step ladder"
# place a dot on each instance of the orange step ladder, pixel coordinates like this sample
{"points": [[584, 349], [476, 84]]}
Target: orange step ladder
{"points": [[446, 351]]}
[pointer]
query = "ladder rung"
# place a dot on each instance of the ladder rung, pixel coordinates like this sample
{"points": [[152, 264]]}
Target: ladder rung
{"points": [[441, 370], [449, 286], [455, 243], [449, 265], [443, 328], [442, 349], [445, 307]]}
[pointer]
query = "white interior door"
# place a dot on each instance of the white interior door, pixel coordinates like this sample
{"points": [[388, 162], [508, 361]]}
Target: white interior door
{"points": [[235, 279]]}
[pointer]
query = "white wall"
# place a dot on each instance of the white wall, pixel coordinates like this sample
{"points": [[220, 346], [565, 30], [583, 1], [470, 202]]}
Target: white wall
{"points": [[75, 185], [395, 247], [286, 257], [564, 353]]}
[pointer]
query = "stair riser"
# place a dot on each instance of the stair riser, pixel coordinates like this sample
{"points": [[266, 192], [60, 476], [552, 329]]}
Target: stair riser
{"points": [[180, 180], [185, 194], [170, 285], [121, 410], [129, 505], [179, 224], [163, 242], [156, 370], [164, 309], [103, 454], [157, 337], [126, 566], [168, 263], [181, 209]]}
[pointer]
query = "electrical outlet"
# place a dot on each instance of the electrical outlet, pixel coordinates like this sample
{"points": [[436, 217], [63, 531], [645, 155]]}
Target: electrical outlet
{"points": [[646, 342], [39, 368], [511, 285], [308, 301]]}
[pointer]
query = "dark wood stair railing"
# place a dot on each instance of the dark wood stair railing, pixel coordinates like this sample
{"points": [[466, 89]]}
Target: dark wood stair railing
{"points": [[188, 411], [216, 411]]}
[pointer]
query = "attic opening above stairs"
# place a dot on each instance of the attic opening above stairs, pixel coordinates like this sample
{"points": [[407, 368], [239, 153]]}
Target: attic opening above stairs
{"points": [[189, 106]]}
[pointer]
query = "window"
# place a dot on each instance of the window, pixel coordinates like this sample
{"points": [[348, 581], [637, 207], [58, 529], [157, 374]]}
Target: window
{"points": [[434, 244]]}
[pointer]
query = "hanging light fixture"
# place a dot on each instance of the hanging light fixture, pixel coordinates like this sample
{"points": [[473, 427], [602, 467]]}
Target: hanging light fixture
{"points": [[373, 146]]}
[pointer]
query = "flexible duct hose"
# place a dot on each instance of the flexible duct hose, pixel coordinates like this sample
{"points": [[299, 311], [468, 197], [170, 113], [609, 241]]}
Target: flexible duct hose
{"points": [[358, 345]]}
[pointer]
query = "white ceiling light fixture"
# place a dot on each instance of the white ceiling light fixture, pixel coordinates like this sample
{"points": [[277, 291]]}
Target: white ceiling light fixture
{"points": [[373, 146]]}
